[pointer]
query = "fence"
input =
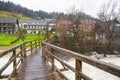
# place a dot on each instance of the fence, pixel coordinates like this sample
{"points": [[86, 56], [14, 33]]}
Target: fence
{"points": [[18, 55], [49, 55]]}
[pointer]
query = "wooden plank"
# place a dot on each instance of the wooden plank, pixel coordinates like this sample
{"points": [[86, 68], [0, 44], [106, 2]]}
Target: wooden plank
{"points": [[35, 68], [4, 76]]}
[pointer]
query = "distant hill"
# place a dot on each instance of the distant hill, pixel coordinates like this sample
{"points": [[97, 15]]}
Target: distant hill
{"points": [[7, 14], [11, 7]]}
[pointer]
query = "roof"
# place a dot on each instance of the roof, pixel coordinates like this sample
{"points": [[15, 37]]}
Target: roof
{"points": [[34, 22], [9, 20]]}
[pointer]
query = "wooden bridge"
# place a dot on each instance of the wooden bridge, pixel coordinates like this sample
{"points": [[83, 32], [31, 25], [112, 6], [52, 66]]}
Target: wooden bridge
{"points": [[31, 61]]}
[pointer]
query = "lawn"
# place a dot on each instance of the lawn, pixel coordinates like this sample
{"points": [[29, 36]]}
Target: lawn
{"points": [[5, 39]]}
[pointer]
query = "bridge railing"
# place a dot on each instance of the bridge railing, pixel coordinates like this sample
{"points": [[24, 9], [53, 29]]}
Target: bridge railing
{"points": [[48, 54], [17, 56]]}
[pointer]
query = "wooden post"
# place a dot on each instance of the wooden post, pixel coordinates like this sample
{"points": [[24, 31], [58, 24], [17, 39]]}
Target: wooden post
{"points": [[14, 63], [21, 49], [35, 45], [44, 52], [24, 50], [47, 31], [39, 42], [79, 69], [52, 59], [31, 46]]}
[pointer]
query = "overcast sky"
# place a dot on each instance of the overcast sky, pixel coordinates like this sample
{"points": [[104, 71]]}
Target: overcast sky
{"points": [[90, 7]]}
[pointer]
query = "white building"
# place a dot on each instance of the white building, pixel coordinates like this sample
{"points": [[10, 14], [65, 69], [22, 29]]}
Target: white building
{"points": [[35, 26]]}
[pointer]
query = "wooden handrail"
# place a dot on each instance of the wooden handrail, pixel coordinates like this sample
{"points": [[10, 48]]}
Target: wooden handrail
{"points": [[18, 52], [48, 53]]}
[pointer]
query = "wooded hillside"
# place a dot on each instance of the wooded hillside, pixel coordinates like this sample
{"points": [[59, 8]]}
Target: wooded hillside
{"points": [[11, 7]]}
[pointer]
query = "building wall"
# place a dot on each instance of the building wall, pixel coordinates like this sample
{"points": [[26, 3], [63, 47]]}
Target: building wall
{"points": [[7, 28], [34, 29]]}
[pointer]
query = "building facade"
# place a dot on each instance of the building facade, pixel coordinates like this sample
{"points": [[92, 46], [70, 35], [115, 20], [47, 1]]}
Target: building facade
{"points": [[35, 26], [8, 25]]}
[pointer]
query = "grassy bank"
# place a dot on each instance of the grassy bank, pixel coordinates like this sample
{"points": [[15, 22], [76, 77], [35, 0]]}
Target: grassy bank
{"points": [[6, 39]]}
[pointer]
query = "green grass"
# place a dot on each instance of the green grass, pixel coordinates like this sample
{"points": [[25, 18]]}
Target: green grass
{"points": [[7, 14], [5, 39]]}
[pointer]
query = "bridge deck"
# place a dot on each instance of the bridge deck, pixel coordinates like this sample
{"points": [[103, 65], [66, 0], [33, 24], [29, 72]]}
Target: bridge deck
{"points": [[34, 68]]}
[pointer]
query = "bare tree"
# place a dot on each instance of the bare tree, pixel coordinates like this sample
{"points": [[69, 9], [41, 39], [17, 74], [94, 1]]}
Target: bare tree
{"points": [[62, 24], [108, 16], [70, 29]]}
